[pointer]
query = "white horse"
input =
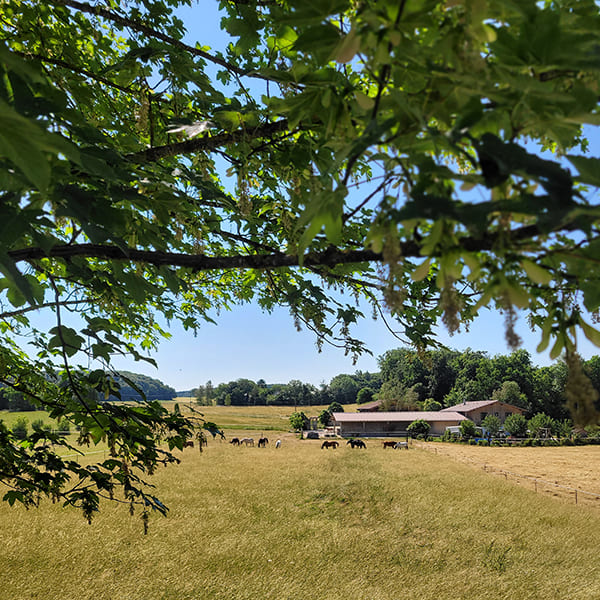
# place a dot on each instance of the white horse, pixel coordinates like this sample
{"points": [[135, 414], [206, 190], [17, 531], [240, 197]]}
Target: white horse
{"points": [[278, 444]]}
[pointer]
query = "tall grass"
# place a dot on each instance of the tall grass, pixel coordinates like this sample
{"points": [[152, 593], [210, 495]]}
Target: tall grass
{"points": [[301, 522]]}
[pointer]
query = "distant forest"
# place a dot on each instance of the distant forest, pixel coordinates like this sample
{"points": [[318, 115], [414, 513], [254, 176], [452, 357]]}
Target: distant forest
{"points": [[130, 385], [409, 381]]}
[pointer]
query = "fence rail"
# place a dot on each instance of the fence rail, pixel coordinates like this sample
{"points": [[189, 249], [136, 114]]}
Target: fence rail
{"points": [[577, 494]]}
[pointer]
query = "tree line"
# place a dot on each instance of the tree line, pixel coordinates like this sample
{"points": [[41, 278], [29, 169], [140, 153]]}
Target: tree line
{"points": [[125, 386], [409, 380]]}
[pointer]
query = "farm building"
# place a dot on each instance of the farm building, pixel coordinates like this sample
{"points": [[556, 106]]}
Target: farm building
{"points": [[477, 411], [381, 424]]}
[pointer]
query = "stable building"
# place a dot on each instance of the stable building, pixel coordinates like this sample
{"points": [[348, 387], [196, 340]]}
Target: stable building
{"points": [[390, 424], [477, 411]]}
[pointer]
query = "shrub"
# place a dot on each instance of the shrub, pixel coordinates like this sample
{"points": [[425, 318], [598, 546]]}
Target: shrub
{"points": [[492, 424], [64, 425], [516, 425], [298, 421], [468, 429], [419, 427], [19, 428], [540, 424]]}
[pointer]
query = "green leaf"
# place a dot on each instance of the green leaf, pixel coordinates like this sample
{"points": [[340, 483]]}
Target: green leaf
{"points": [[347, 48], [22, 142], [536, 273], [588, 168], [421, 271], [590, 333]]}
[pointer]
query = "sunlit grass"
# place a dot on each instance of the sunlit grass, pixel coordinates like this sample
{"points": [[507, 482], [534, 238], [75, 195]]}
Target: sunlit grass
{"points": [[301, 522]]}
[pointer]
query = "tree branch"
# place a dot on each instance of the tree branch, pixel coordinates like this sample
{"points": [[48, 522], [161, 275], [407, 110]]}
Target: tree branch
{"points": [[207, 142], [199, 262], [141, 28]]}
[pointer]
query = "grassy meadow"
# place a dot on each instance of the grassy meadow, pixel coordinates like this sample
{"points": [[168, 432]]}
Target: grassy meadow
{"points": [[301, 522]]}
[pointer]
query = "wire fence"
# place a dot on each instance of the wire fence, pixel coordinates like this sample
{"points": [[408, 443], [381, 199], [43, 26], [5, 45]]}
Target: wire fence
{"points": [[565, 492]]}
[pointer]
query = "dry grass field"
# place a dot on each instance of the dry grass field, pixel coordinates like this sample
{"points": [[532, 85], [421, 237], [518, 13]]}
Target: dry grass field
{"points": [[301, 522], [570, 467]]}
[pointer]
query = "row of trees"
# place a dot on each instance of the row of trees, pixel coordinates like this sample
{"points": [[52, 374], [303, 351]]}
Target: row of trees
{"points": [[409, 380], [444, 378], [342, 389]]}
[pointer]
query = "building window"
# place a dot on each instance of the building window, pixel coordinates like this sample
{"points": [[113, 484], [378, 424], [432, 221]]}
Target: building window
{"points": [[483, 415]]}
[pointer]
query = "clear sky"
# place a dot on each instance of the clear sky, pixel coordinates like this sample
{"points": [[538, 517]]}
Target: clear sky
{"points": [[248, 343]]}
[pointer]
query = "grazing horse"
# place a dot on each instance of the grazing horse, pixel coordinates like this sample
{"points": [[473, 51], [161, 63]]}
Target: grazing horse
{"points": [[247, 441], [327, 444], [399, 445], [278, 444], [188, 444], [356, 444], [389, 444], [235, 441], [262, 442]]}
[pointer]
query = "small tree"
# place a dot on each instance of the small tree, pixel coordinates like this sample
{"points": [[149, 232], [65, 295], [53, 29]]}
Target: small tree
{"points": [[364, 395], [324, 418], [19, 428], [419, 427], [64, 426], [335, 407], [468, 429], [540, 424], [492, 424], [298, 421], [431, 404], [39, 425], [516, 425]]}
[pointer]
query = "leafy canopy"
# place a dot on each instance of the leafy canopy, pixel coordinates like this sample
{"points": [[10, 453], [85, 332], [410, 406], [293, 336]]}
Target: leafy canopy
{"points": [[387, 149]]}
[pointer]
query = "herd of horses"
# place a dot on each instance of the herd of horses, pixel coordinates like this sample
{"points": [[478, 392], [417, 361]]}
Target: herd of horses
{"points": [[360, 444], [263, 441]]}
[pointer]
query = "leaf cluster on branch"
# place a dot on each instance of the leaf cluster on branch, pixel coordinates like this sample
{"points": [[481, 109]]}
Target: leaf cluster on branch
{"points": [[429, 157]]}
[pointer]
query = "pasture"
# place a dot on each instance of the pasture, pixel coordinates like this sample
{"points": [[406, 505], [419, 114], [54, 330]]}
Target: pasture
{"points": [[301, 522]]}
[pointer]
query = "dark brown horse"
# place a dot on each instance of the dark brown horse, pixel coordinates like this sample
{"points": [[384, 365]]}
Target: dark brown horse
{"points": [[327, 444], [356, 444], [235, 441], [188, 444], [262, 442], [389, 444]]}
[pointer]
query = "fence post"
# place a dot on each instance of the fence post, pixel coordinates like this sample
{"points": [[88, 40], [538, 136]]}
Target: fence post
{"points": [[575, 496]]}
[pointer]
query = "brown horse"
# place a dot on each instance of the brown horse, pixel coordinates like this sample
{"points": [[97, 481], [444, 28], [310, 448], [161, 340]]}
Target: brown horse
{"points": [[389, 444], [235, 441], [356, 444], [327, 444], [188, 444], [262, 442]]}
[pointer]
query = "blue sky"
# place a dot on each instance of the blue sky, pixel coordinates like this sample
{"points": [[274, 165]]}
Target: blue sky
{"points": [[248, 343]]}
